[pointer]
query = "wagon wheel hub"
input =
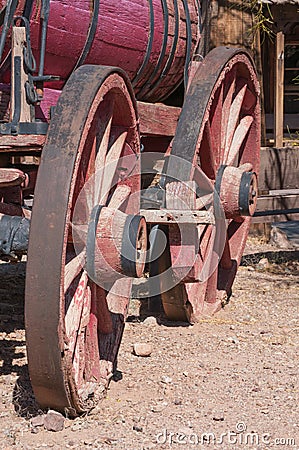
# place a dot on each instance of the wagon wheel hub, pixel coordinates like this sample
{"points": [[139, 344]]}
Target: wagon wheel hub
{"points": [[237, 190], [116, 245]]}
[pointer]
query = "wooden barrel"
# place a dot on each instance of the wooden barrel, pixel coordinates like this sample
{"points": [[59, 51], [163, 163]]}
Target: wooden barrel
{"points": [[152, 40]]}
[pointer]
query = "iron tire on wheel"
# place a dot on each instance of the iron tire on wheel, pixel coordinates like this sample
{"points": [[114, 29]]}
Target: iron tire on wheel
{"points": [[73, 325], [218, 138]]}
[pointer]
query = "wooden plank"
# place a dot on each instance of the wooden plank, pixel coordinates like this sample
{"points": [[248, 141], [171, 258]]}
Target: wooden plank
{"points": [[11, 177], [270, 207], [18, 45], [279, 169], [230, 22], [283, 192], [178, 216], [22, 142], [275, 218], [279, 81], [158, 119], [277, 208]]}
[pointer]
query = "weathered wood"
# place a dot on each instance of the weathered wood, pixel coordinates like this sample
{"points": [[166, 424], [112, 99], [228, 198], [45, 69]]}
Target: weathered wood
{"points": [[278, 202], [11, 177], [158, 119], [73, 268], [278, 217], [279, 169], [18, 45], [278, 185], [231, 23], [178, 216], [279, 80], [21, 143], [273, 208]]}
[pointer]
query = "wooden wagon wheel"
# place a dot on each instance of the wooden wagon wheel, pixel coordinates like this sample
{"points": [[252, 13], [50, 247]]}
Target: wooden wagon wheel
{"points": [[218, 136], [73, 323]]}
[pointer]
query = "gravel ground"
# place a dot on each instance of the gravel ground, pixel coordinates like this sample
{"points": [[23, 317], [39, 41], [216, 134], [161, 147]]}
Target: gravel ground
{"points": [[229, 382]]}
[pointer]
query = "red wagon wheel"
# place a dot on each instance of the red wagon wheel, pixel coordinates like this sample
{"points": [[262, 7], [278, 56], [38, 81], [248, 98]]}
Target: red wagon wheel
{"points": [[218, 138], [87, 178]]}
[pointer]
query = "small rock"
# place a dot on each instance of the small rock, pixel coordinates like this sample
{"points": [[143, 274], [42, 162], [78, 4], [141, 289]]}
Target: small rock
{"points": [[218, 416], [34, 430], [54, 421], [150, 321], [263, 264], [166, 380], [186, 374], [76, 426], [38, 421], [177, 401], [142, 349], [157, 408], [279, 238], [137, 428]]}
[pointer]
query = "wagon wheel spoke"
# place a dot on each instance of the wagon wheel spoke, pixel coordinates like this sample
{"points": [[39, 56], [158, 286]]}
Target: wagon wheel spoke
{"points": [[73, 268], [81, 321], [216, 125], [238, 139], [227, 149], [234, 117], [227, 108], [111, 162]]}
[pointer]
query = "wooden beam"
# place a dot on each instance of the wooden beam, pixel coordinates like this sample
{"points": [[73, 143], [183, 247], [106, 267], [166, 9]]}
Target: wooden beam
{"points": [[279, 86], [278, 206], [18, 45], [278, 169], [157, 119]]}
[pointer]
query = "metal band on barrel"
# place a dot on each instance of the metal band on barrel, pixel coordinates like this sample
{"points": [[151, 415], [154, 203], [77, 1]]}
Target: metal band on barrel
{"points": [[147, 85], [90, 34], [172, 52], [149, 45], [189, 43]]}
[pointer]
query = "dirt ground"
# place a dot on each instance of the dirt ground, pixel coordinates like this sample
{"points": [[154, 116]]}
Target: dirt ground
{"points": [[229, 382]]}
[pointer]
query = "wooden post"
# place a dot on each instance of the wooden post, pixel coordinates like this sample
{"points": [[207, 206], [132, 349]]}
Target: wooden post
{"points": [[18, 44], [279, 88]]}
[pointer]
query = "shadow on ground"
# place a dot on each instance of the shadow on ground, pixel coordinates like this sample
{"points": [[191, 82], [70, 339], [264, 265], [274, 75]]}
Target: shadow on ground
{"points": [[12, 344]]}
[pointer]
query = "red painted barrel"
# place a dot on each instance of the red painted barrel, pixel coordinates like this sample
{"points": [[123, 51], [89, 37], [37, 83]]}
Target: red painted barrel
{"points": [[149, 39]]}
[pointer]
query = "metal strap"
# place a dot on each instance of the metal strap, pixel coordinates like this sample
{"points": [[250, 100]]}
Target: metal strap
{"points": [[149, 45], [90, 35], [172, 51], [188, 44], [147, 85], [44, 16]]}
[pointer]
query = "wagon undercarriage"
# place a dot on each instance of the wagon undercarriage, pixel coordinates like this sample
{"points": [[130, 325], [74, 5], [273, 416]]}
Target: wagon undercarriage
{"points": [[121, 188]]}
